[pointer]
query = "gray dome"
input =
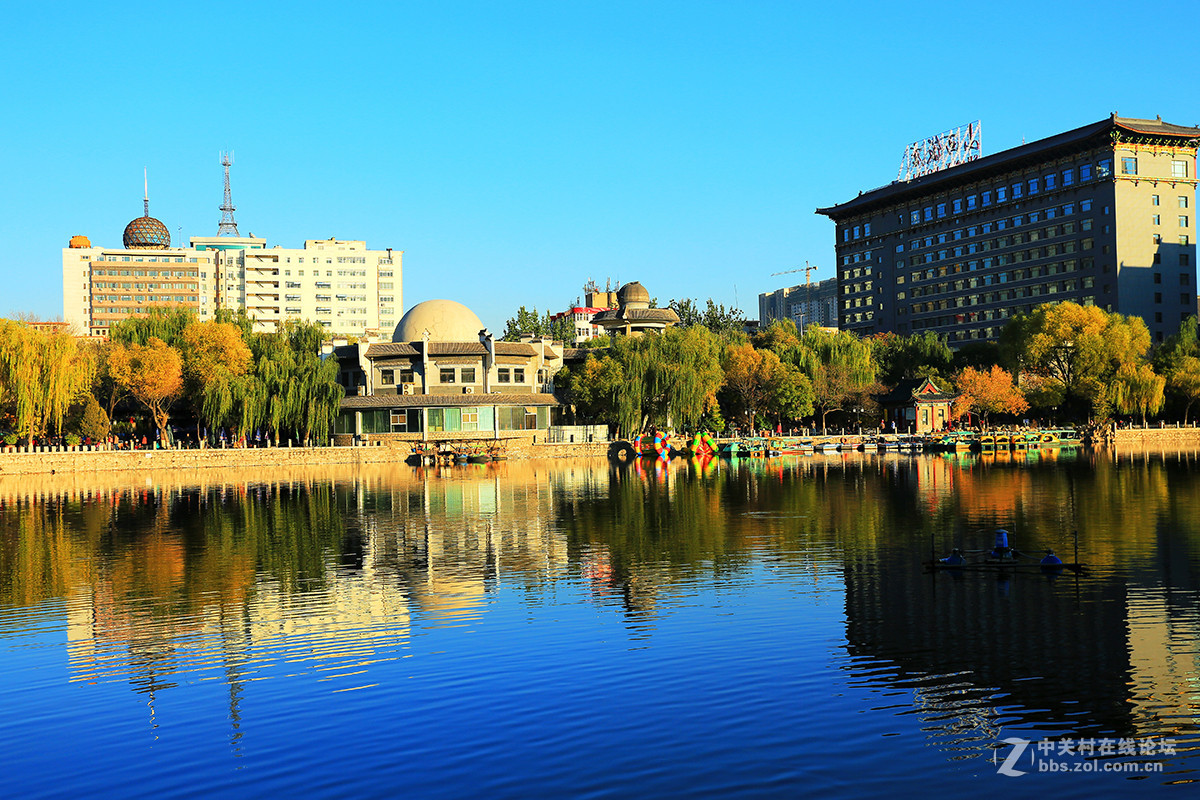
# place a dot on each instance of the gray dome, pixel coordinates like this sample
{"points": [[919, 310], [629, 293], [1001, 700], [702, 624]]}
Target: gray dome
{"points": [[633, 293], [446, 321]]}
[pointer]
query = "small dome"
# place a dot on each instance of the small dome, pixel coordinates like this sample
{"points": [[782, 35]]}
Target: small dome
{"points": [[146, 233], [632, 293], [446, 321], [78, 240]]}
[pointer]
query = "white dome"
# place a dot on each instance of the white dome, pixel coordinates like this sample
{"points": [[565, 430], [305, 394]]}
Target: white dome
{"points": [[446, 321]]}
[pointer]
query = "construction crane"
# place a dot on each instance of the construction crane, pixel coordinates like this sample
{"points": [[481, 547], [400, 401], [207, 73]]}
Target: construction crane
{"points": [[806, 269]]}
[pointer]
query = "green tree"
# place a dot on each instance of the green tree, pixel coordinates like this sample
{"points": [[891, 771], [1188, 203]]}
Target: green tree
{"points": [[165, 323], [840, 367], [93, 422], [919, 355], [1137, 389], [715, 316]]}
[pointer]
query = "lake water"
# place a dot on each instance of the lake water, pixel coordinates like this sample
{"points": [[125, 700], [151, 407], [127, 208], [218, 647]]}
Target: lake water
{"points": [[564, 629]]}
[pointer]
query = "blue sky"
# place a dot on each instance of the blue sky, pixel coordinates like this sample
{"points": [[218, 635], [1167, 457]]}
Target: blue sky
{"points": [[514, 150]]}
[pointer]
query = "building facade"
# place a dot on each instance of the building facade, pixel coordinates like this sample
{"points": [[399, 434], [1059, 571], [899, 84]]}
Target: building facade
{"points": [[805, 304], [444, 376], [340, 284], [582, 316], [1100, 215], [633, 315]]}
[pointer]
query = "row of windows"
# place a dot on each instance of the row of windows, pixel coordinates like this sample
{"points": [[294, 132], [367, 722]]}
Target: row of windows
{"points": [[1049, 181], [1129, 166], [447, 375], [151, 259], [1011, 276], [148, 273], [154, 287], [1156, 219], [1181, 199]]}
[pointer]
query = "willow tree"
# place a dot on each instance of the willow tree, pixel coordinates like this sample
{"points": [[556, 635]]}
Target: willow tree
{"points": [[658, 379], [291, 387], [214, 357], [41, 375], [165, 323], [1137, 390], [839, 365]]}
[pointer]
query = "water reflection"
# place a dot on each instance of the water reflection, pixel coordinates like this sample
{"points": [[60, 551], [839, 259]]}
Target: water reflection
{"points": [[332, 577]]}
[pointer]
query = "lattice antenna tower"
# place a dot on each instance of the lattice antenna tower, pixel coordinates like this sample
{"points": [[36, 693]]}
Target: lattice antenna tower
{"points": [[145, 192], [228, 226], [949, 149]]}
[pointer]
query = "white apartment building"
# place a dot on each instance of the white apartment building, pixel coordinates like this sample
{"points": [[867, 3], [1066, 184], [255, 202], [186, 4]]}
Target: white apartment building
{"points": [[345, 287]]}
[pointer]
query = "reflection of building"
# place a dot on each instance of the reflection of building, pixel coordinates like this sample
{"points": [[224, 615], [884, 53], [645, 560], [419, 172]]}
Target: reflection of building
{"points": [[340, 284], [1100, 215], [805, 304], [445, 376], [634, 316]]}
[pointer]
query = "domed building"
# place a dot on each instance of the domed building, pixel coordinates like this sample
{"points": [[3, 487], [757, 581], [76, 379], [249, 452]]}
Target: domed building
{"points": [[633, 315], [146, 233], [445, 377]]}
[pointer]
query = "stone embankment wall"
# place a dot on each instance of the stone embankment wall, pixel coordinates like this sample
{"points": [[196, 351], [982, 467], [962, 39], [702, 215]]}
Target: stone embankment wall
{"points": [[64, 462], [1151, 437]]}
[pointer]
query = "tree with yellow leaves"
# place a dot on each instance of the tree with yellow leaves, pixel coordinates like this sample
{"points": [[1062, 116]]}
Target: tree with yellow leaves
{"points": [[153, 374]]}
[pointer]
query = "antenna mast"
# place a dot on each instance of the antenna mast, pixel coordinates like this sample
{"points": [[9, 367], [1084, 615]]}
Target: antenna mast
{"points": [[228, 226], [146, 192]]}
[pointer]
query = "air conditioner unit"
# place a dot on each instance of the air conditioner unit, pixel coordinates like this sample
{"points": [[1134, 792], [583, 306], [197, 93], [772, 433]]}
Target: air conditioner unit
{"points": [[468, 390], [407, 388]]}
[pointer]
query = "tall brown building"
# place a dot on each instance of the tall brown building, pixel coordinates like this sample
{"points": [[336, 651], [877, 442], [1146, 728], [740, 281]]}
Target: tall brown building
{"points": [[1101, 215]]}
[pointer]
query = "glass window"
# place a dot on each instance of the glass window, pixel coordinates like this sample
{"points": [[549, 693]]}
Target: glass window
{"points": [[987, 198], [518, 375], [941, 209], [1016, 190], [857, 231], [446, 375], [1183, 201], [971, 201], [1129, 166], [1033, 185], [866, 229], [1183, 221], [503, 375], [958, 205], [1051, 181], [1085, 205], [1179, 169], [1104, 168], [1154, 199], [928, 213], [914, 217], [468, 374], [387, 377], [1155, 219], [1068, 177]]}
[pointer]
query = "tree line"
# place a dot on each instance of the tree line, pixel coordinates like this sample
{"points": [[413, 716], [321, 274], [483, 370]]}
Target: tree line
{"points": [[1063, 362], [219, 377]]}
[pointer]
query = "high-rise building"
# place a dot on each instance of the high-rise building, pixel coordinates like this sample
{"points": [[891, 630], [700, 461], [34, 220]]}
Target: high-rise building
{"points": [[806, 304], [1103, 214], [340, 284]]}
